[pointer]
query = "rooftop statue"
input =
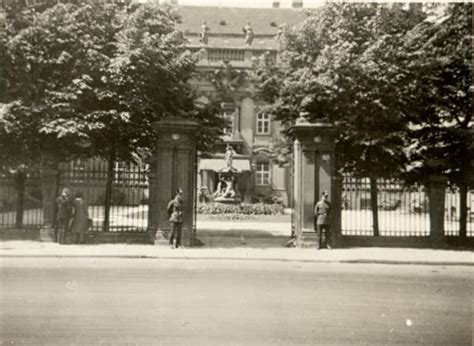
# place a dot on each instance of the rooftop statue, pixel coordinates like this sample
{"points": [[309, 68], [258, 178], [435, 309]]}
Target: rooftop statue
{"points": [[248, 32], [204, 33]]}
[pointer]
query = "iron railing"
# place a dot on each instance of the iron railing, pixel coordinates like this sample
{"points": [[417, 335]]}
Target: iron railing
{"points": [[128, 198], [402, 210], [20, 203]]}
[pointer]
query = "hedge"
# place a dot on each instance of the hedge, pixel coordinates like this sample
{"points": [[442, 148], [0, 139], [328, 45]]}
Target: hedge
{"points": [[242, 209]]}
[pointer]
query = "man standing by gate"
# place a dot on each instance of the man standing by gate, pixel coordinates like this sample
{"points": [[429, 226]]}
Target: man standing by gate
{"points": [[175, 213], [322, 212]]}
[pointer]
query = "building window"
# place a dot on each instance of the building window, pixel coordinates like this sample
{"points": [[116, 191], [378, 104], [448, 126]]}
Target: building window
{"points": [[263, 124], [263, 174], [228, 115]]}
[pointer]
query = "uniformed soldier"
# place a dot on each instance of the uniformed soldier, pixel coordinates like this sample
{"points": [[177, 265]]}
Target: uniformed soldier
{"points": [[322, 212], [175, 212]]}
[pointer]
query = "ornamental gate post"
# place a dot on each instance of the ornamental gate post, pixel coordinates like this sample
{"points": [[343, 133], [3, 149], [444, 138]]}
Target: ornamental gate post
{"points": [[174, 168], [313, 174]]}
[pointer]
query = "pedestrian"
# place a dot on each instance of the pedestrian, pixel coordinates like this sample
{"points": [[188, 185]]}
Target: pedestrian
{"points": [[175, 213], [65, 209], [80, 222], [322, 212]]}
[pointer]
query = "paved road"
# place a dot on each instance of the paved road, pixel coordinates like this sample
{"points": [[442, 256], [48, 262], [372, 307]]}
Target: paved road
{"points": [[218, 302]]}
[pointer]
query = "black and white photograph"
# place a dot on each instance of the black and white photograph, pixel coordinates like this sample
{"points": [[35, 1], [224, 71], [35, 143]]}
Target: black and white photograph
{"points": [[236, 172]]}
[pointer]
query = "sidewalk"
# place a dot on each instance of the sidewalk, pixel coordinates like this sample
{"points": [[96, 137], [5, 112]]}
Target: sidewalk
{"points": [[26, 248]]}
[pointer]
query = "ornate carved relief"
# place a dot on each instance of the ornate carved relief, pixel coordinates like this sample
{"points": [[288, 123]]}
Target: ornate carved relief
{"points": [[227, 79]]}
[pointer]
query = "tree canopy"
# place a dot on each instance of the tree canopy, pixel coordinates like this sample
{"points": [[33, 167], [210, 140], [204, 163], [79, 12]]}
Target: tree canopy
{"points": [[394, 79], [438, 97], [92, 79]]}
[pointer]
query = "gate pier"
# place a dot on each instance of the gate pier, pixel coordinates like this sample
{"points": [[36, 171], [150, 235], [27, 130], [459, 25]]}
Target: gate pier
{"points": [[313, 174], [173, 167]]}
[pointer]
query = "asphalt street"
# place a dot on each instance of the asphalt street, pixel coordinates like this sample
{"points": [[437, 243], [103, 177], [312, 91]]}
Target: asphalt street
{"points": [[67, 301]]}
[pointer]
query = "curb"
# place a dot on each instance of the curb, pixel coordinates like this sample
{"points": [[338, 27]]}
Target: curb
{"points": [[207, 258]]}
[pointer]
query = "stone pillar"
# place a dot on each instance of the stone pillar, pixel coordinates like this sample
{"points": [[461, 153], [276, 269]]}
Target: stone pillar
{"points": [[436, 201], [313, 173], [49, 192], [175, 168]]}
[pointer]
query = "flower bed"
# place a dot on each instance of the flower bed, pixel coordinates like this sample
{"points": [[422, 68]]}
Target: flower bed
{"points": [[240, 209]]}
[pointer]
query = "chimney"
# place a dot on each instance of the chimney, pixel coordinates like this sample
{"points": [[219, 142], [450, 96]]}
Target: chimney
{"points": [[297, 3], [276, 4]]}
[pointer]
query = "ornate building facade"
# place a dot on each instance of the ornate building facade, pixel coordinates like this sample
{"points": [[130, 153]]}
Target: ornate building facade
{"points": [[227, 41]]}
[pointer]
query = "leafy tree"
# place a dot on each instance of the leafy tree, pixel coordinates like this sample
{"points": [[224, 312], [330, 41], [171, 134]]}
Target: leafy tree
{"points": [[338, 65], [437, 57], [92, 80], [44, 50], [143, 78]]}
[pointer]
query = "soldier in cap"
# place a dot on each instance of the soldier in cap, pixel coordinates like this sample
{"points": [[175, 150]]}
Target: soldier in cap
{"points": [[322, 212], [175, 213]]}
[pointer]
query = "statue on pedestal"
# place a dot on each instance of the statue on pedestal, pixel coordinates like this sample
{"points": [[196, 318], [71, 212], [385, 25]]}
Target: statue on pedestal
{"points": [[227, 186]]}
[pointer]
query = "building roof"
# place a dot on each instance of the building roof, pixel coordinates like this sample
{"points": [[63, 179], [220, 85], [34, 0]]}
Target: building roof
{"points": [[261, 19]]}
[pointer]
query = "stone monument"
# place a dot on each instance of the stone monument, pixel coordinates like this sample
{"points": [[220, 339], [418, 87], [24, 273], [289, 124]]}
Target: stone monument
{"points": [[228, 177]]}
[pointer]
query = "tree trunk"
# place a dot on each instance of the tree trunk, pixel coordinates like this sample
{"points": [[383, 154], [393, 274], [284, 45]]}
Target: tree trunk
{"points": [[108, 191], [463, 210], [20, 180], [374, 205], [49, 188]]}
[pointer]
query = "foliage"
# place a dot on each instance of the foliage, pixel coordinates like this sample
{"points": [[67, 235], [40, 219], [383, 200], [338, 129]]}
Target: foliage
{"points": [[437, 56], [241, 209], [336, 66], [232, 217], [92, 79], [44, 52]]}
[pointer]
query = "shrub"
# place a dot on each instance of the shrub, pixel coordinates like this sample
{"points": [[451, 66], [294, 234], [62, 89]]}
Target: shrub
{"points": [[240, 209], [232, 217]]}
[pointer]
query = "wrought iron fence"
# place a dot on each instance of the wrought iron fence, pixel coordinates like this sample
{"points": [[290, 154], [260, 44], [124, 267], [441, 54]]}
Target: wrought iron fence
{"points": [[20, 200], [452, 212], [128, 198], [402, 210]]}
